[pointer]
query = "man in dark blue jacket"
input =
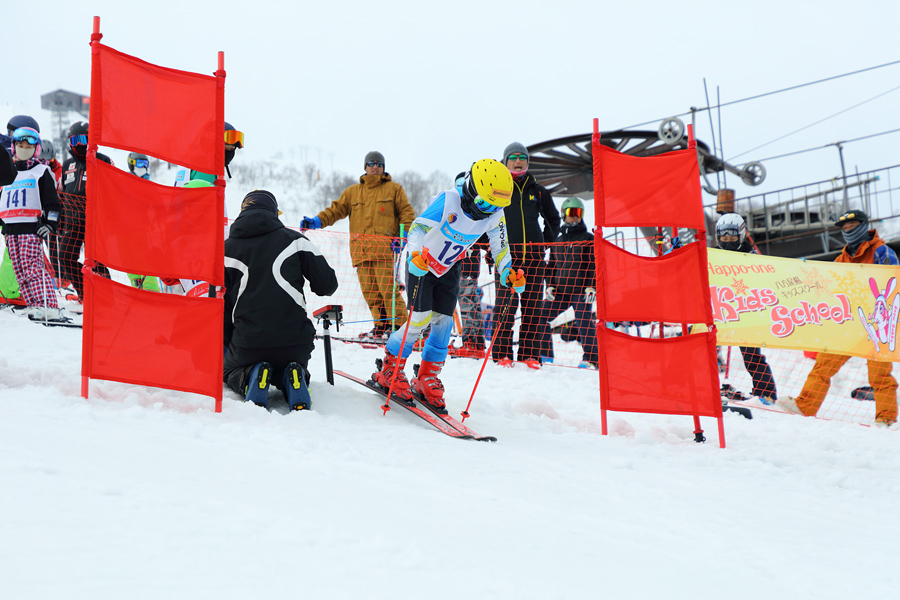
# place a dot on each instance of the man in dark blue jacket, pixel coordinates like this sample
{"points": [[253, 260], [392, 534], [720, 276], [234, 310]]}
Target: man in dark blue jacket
{"points": [[268, 335]]}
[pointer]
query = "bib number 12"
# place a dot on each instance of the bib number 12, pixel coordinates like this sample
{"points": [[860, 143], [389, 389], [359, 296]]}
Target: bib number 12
{"points": [[454, 249]]}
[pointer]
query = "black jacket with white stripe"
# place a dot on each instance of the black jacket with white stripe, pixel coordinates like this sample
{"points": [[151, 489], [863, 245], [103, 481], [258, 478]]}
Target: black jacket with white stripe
{"points": [[266, 267]]}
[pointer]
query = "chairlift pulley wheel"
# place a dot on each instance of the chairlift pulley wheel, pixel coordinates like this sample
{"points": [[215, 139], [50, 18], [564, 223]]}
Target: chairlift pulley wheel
{"points": [[671, 131], [753, 173]]}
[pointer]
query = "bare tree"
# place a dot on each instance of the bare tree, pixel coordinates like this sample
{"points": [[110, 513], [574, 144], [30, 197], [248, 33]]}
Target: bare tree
{"points": [[310, 174], [331, 188], [419, 190]]}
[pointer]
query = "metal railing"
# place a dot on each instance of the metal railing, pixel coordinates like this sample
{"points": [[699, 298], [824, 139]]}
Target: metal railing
{"points": [[801, 220]]}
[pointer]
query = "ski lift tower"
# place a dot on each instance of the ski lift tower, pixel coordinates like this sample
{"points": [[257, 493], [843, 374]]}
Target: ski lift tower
{"points": [[61, 103]]}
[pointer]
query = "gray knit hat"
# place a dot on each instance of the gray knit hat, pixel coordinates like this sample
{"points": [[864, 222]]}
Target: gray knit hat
{"points": [[374, 155], [514, 148]]}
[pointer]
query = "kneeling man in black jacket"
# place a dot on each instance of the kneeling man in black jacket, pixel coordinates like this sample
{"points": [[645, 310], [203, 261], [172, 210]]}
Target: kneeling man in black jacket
{"points": [[268, 335]]}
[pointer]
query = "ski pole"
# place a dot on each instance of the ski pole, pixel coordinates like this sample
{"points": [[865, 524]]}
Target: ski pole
{"points": [[487, 355], [412, 302]]}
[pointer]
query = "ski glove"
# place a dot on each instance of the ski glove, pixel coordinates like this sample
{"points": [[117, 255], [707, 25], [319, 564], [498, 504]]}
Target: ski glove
{"points": [[397, 245], [513, 279], [311, 223], [590, 294], [550, 294], [418, 263], [46, 229]]}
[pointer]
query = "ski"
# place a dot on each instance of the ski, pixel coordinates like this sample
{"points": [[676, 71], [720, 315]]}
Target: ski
{"points": [[426, 416], [741, 410], [446, 418]]}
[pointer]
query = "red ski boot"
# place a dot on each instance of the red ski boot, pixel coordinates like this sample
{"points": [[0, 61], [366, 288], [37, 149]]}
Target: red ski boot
{"points": [[428, 387], [385, 374]]}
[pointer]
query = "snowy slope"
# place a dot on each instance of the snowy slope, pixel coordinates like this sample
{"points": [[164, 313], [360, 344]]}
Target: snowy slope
{"points": [[146, 493]]}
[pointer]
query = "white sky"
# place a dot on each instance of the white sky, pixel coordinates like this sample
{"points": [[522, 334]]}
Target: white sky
{"points": [[438, 85]]}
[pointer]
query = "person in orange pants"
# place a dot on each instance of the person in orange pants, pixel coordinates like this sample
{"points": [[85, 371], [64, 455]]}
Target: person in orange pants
{"points": [[827, 366], [865, 247]]}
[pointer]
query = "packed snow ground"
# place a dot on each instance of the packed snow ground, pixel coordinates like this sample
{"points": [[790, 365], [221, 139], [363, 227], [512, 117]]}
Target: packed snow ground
{"points": [[147, 493]]}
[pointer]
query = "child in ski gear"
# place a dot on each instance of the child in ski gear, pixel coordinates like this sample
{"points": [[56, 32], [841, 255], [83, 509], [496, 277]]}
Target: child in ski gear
{"points": [[74, 189], [376, 207], [268, 335], [470, 296], [530, 203], [572, 280], [139, 164], [731, 234], [862, 246], [438, 239], [29, 212]]}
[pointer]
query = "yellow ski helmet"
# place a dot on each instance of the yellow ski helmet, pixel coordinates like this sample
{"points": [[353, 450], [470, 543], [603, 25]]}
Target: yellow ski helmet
{"points": [[492, 181]]}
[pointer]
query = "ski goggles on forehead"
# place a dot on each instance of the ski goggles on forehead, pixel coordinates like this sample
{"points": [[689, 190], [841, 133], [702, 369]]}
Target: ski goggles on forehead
{"points": [[26, 135], [574, 212], [485, 206], [78, 140], [235, 138]]}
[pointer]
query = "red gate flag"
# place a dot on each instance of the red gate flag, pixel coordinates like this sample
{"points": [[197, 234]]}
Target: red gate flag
{"points": [[142, 227], [667, 376], [147, 338], [668, 288], [647, 191], [173, 115]]}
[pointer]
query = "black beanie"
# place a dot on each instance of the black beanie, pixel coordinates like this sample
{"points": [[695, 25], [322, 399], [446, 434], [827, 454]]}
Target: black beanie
{"points": [[260, 199]]}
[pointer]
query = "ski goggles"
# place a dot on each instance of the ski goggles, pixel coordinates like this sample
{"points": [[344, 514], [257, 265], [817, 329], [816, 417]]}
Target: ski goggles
{"points": [[140, 163], [485, 206], [78, 140], [372, 163], [517, 157], [235, 138], [25, 134], [574, 212]]}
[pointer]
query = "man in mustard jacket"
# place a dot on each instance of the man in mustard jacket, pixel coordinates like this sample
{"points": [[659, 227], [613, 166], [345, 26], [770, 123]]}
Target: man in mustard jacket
{"points": [[376, 207]]}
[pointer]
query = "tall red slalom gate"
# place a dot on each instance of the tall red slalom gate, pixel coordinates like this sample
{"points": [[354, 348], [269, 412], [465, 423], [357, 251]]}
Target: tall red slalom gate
{"points": [[134, 225], [676, 375]]}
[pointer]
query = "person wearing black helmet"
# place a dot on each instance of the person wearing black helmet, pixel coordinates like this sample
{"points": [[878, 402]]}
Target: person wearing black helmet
{"points": [[30, 214], [15, 123], [863, 246], [74, 189], [234, 140]]}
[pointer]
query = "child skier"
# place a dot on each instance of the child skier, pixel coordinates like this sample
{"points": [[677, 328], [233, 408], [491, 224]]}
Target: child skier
{"points": [[572, 282], [731, 233], [29, 211], [438, 239]]}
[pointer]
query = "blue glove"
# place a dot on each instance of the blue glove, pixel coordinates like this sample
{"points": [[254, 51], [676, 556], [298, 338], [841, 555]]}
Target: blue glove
{"points": [[311, 223], [397, 245]]}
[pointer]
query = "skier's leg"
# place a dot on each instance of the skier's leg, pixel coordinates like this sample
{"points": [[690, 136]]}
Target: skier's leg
{"points": [[587, 330], [818, 381], [503, 323], [760, 372], [368, 285], [885, 390]]}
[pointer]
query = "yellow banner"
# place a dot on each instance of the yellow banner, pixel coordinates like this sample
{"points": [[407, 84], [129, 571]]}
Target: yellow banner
{"points": [[804, 304]]}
